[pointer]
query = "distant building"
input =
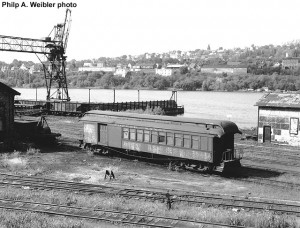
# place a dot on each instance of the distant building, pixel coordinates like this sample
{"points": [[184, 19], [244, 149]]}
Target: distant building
{"points": [[4, 68], [87, 64], [278, 118], [101, 64], [290, 63], [96, 68], [175, 66], [164, 72], [147, 65], [220, 69], [24, 67], [148, 56], [148, 71], [14, 68], [121, 72]]}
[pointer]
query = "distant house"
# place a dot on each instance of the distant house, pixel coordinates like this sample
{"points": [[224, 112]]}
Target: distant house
{"points": [[220, 69], [278, 118], [291, 63], [101, 64], [99, 67], [4, 68], [34, 69], [148, 71], [164, 72], [14, 68], [121, 72], [24, 67], [148, 56], [147, 66], [136, 68], [87, 64]]}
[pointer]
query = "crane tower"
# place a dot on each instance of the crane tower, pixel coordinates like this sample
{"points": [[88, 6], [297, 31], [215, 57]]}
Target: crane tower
{"points": [[53, 48]]}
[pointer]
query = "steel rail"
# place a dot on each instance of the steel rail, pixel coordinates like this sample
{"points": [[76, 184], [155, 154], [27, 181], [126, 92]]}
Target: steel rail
{"points": [[106, 215], [210, 199]]}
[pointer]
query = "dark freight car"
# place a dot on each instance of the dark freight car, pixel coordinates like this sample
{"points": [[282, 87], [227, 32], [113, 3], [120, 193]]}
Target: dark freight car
{"points": [[201, 142]]}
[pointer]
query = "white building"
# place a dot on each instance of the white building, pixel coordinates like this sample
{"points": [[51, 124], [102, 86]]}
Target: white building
{"points": [[105, 69], [87, 64], [121, 72], [164, 72]]}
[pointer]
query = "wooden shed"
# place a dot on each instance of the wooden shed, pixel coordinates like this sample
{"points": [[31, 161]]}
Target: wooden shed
{"points": [[278, 118], [7, 96]]}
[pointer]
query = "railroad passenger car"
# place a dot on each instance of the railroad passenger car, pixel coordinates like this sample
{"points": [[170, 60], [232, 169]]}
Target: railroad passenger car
{"points": [[202, 143]]}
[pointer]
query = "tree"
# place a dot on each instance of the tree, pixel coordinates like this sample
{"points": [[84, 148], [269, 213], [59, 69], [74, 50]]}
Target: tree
{"points": [[183, 70], [208, 47]]}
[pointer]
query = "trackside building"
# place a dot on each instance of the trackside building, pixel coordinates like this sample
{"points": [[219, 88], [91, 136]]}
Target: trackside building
{"points": [[278, 118], [7, 95]]}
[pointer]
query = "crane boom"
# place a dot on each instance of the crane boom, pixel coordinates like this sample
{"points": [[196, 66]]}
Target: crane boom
{"points": [[19, 44]]}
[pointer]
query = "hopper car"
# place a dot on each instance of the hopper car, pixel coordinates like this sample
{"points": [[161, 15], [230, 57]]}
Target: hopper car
{"points": [[198, 143]]}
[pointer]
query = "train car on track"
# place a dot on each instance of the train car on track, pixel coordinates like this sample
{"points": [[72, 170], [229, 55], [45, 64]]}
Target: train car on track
{"points": [[198, 143]]}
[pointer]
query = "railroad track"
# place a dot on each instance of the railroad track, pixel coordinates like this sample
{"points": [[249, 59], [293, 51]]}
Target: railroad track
{"points": [[273, 147], [106, 215], [275, 183], [227, 201]]}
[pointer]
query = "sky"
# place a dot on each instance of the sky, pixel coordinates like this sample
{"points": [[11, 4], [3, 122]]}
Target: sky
{"points": [[111, 28]]}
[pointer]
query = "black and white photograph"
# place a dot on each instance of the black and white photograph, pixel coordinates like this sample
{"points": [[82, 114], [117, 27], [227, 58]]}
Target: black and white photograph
{"points": [[149, 113]]}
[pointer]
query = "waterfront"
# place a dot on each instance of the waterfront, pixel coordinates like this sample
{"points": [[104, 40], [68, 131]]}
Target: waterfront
{"points": [[235, 106]]}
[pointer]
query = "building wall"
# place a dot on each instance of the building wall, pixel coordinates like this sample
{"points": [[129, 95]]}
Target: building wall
{"points": [[105, 69], [6, 113], [164, 72], [280, 121], [121, 72], [224, 70], [292, 64]]}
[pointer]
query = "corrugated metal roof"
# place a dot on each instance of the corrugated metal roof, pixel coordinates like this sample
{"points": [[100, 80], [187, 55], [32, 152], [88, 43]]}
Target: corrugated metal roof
{"points": [[164, 122], [7, 88], [282, 100]]}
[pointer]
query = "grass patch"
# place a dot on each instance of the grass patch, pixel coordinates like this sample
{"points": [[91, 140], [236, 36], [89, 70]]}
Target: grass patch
{"points": [[179, 210]]}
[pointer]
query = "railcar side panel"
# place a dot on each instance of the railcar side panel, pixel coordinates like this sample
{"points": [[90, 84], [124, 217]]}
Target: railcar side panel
{"points": [[114, 136], [168, 151], [90, 133]]}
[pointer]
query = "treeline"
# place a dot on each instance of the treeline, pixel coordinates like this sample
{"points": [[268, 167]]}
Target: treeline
{"points": [[188, 81]]}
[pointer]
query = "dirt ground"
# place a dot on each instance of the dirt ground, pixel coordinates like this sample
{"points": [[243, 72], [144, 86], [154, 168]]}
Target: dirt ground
{"points": [[67, 161]]}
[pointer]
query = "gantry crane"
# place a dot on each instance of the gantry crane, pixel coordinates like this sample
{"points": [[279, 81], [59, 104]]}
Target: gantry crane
{"points": [[53, 48]]}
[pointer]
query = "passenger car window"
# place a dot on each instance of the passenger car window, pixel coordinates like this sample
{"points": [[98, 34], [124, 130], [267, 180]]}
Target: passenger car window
{"points": [[204, 143], [170, 139], [154, 137], [132, 134], [187, 141], [139, 135], [146, 136], [178, 140], [195, 142], [125, 133]]}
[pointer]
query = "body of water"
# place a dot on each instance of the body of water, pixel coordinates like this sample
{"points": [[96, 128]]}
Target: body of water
{"points": [[235, 106]]}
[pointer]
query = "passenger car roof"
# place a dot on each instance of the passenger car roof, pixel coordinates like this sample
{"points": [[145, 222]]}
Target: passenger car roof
{"points": [[215, 127]]}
